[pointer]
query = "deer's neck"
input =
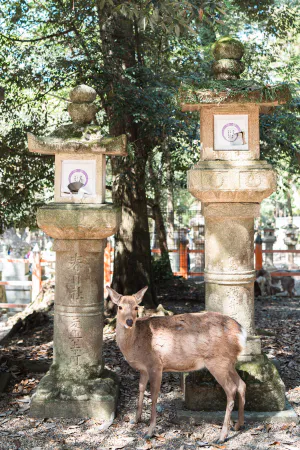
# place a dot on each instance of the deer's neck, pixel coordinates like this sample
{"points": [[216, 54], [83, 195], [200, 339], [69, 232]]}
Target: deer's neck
{"points": [[125, 338]]}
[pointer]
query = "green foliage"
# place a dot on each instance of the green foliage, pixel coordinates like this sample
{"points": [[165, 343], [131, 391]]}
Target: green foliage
{"points": [[136, 55]]}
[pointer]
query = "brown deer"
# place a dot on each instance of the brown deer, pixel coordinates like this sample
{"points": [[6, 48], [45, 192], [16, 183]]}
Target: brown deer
{"points": [[180, 343]]}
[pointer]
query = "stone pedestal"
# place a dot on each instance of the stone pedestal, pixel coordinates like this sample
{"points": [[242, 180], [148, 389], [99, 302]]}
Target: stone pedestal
{"points": [[77, 384]]}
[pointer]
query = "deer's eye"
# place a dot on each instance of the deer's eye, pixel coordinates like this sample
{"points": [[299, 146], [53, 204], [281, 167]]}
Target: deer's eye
{"points": [[136, 308], [120, 307]]}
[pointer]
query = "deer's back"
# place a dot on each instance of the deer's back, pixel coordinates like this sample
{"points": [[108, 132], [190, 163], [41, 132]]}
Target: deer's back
{"points": [[184, 342]]}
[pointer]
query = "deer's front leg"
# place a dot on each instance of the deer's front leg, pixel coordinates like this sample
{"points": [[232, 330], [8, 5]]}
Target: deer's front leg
{"points": [[155, 382], [144, 377]]}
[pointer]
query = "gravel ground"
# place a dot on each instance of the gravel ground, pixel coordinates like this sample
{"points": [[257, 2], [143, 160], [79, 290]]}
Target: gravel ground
{"points": [[278, 321]]}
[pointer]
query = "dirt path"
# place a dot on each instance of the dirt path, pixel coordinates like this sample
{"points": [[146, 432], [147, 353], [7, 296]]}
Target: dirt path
{"points": [[278, 321]]}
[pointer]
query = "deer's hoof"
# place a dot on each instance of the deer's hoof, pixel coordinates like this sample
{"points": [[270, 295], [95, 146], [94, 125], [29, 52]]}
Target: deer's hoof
{"points": [[148, 436], [221, 440], [238, 427]]}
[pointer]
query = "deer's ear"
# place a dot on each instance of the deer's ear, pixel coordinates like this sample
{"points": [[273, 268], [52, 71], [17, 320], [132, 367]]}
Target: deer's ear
{"points": [[139, 295], [114, 295]]}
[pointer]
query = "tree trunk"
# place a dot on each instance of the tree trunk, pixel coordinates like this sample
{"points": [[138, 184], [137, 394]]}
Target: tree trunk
{"points": [[132, 258], [162, 235], [132, 264]]}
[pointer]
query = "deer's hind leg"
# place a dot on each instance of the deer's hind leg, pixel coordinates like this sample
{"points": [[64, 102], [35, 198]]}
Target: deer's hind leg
{"points": [[241, 389], [223, 373], [144, 377]]}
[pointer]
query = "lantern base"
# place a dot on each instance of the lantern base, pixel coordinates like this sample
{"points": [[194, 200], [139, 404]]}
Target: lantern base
{"points": [[265, 390], [288, 415], [95, 398]]}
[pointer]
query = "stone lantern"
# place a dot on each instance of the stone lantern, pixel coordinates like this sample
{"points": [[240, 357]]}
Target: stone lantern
{"points": [[230, 180], [197, 225], [77, 384], [269, 240], [290, 240]]}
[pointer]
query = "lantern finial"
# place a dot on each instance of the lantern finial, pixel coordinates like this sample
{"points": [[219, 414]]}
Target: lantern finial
{"points": [[82, 109], [228, 53]]}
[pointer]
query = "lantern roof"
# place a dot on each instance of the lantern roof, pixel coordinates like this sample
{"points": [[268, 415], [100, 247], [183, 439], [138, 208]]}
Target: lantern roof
{"points": [[80, 136]]}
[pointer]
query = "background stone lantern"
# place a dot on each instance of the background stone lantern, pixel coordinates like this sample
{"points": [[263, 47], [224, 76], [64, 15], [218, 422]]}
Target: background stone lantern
{"points": [[197, 225], [79, 220], [269, 240], [230, 180], [290, 240]]}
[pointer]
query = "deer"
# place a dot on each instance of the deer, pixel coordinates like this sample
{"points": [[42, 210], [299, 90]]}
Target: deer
{"points": [[180, 343]]}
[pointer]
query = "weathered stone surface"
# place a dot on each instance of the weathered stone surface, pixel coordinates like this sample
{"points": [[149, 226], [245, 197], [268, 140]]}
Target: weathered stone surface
{"points": [[82, 113], [229, 265], [83, 94], [70, 221], [265, 389], [94, 397], [195, 96], [74, 139], [99, 179], [219, 181], [229, 48], [207, 120], [228, 66], [78, 313], [77, 375]]}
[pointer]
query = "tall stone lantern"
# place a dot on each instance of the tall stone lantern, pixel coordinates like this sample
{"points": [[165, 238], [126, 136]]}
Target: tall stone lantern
{"points": [[230, 180], [77, 384]]}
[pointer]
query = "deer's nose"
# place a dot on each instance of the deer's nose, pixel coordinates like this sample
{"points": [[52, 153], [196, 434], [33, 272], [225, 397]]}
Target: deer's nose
{"points": [[129, 322]]}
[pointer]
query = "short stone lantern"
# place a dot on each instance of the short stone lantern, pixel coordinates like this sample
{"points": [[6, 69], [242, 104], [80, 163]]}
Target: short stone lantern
{"points": [[269, 240], [230, 180], [77, 384], [290, 240]]}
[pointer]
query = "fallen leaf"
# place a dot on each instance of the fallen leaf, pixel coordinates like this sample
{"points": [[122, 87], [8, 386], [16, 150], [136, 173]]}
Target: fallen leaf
{"points": [[159, 438], [275, 443]]}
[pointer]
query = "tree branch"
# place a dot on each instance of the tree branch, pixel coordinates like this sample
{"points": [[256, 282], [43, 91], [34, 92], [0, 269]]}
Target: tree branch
{"points": [[37, 39]]}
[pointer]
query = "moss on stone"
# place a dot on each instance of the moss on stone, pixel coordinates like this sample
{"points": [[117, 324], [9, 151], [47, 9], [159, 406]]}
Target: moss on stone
{"points": [[228, 47], [264, 392], [75, 138], [241, 91]]}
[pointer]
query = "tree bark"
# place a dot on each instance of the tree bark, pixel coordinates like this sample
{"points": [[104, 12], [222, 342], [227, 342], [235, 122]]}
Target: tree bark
{"points": [[132, 258]]}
